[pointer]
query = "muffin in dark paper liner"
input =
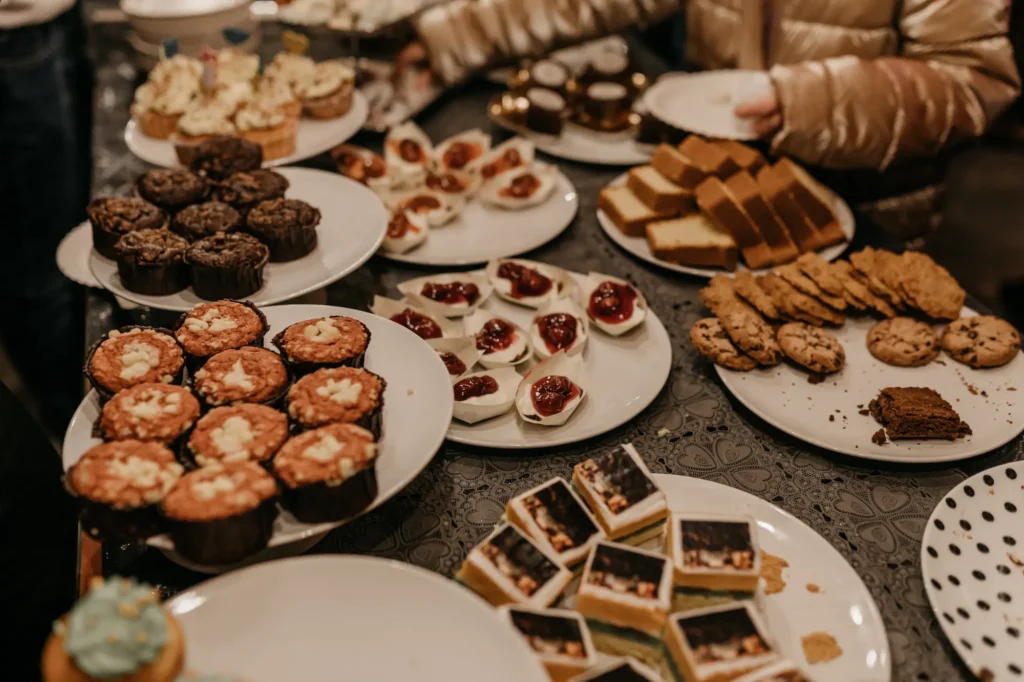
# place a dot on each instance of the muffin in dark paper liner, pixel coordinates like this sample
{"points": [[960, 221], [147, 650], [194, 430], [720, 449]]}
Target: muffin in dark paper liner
{"points": [[338, 395], [227, 266], [245, 190], [222, 156], [159, 413], [113, 217], [133, 355], [212, 327], [222, 513], [335, 341], [237, 433], [287, 226], [328, 474], [241, 375], [198, 221], [119, 486], [152, 262], [172, 189]]}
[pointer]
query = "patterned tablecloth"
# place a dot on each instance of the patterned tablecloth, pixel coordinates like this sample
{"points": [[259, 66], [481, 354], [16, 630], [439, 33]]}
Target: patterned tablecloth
{"points": [[873, 514]]}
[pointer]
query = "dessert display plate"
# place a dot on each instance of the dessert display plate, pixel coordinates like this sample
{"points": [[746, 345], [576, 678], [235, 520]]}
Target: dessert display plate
{"points": [[415, 421], [482, 233], [971, 563], [828, 415], [351, 228], [623, 375], [575, 57], [412, 624], [639, 247], [704, 102], [313, 137]]}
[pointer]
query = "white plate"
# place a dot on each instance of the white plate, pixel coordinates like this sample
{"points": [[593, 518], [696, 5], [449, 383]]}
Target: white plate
{"points": [[313, 137], [843, 608], [783, 397], [639, 247], [329, 618], [704, 102], [73, 256], [623, 375], [577, 143], [352, 226], [415, 421], [971, 558], [482, 233]]}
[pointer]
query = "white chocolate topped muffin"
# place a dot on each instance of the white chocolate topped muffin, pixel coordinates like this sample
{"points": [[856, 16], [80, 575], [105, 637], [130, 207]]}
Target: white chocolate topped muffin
{"points": [[125, 474], [157, 412], [335, 395], [238, 433], [219, 491], [135, 356], [212, 327], [242, 375], [331, 454], [324, 340]]}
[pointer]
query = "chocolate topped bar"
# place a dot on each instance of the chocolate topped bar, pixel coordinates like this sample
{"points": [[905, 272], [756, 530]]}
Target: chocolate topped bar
{"points": [[519, 561], [554, 516], [625, 571], [549, 634], [617, 478], [917, 413], [716, 544]]}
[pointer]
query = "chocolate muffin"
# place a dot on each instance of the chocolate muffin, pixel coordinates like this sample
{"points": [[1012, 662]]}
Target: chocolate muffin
{"points": [[245, 190], [112, 217], [287, 226], [199, 221], [222, 156], [227, 265], [152, 262], [172, 189]]}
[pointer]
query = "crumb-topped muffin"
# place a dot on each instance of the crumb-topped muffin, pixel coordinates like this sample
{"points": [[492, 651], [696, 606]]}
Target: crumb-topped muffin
{"points": [[344, 395], [222, 513], [112, 217], [238, 433], [152, 262], [157, 412], [198, 221], [134, 355], [335, 341], [223, 156], [172, 189], [286, 226], [227, 265], [246, 189], [221, 325], [242, 375], [329, 473]]}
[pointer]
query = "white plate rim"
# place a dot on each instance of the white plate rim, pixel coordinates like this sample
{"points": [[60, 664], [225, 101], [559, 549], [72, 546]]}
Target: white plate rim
{"points": [[654, 105]]}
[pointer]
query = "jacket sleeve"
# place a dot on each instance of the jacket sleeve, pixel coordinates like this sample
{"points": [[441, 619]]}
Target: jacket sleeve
{"points": [[955, 75], [465, 36]]}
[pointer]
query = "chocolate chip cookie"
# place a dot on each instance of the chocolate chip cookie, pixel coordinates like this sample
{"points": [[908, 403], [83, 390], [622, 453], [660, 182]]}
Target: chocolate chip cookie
{"points": [[903, 342], [929, 287], [711, 341], [805, 285], [745, 285], [753, 336], [720, 297], [814, 348], [981, 341]]}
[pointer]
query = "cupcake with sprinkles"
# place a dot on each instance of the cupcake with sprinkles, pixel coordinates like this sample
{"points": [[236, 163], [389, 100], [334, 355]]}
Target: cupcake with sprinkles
{"points": [[243, 375], [238, 433], [117, 631], [134, 355], [210, 328], [155, 412], [335, 341], [338, 395]]}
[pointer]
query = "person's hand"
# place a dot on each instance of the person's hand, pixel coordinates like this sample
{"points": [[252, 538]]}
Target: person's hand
{"points": [[764, 114], [413, 56]]}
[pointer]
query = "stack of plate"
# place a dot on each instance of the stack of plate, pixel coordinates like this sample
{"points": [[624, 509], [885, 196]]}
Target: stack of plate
{"points": [[195, 24]]}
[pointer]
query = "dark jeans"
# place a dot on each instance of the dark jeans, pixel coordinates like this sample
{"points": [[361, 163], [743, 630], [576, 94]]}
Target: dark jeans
{"points": [[45, 167]]}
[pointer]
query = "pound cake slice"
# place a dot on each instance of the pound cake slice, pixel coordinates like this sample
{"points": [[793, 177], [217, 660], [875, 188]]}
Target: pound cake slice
{"points": [[626, 210], [799, 226], [747, 158], [709, 158], [658, 192], [692, 240], [676, 167], [743, 186], [812, 199], [718, 203]]}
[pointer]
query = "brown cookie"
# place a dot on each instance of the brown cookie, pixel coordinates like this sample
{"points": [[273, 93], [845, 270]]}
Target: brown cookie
{"points": [[814, 348], [808, 305], [781, 294], [720, 297], [929, 287], [981, 341], [864, 262], [747, 288], [753, 336], [888, 268], [711, 341], [903, 342], [804, 284], [858, 290], [815, 267]]}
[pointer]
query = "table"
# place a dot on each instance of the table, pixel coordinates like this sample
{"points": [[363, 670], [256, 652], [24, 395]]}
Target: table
{"points": [[873, 514]]}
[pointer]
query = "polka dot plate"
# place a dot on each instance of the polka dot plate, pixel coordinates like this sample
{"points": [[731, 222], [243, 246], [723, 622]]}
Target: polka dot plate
{"points": [[972, 561]]}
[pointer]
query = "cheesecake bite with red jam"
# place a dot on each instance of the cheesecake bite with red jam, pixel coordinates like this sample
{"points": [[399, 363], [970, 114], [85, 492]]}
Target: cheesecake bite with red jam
{"points": [[614, 305], [551, 391]]}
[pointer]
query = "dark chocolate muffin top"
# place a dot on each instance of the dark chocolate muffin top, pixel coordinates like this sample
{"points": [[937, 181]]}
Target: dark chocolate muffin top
{"points": [[279, 215], [251, 187], [221, 156], [204, 220], [172, 189], [120, 215], [151, 246], [225, 250]]}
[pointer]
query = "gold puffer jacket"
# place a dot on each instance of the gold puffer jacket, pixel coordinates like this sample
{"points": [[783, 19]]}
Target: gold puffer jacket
{"points": [[861, 83]]}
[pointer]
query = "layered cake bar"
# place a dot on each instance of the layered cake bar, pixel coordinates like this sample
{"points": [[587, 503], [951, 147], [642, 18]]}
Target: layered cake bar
{"points": [[619, 488], [554, 516], [714, 552], [719, 644], [619, 670], [626, 587], [559, 638]]}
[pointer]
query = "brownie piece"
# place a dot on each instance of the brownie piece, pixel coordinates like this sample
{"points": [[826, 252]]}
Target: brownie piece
{"points": [[287, 226], [245, 190], [112, 217], [152, 262], [172, 189], [917, 413], [221, 156], [205, 220], [227, 265]]}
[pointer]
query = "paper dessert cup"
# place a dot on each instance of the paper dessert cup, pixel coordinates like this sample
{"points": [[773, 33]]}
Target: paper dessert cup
{"points": [[565, 306], [334, 105], [412, 289], [464, 349], [156, 125]]}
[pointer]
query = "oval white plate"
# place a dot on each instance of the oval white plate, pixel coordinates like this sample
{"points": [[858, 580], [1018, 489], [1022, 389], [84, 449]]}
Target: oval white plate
{"points": [[327, 618], [482, 232], [704, 102], [827, 414], [623, 376], [73, 256], [577, 143], [843, 607], [639, 247], [415, 421], [352, 225], [972, 562], [313, 137]]}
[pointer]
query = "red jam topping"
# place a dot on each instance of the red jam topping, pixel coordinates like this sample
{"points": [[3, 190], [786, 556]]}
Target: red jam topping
{"points": [[551, 394], [359, 167], [411, 151], [399, 226], [452, 293], [612, 302], [495, 335], [558, 331], [421, 203], [522, 187], [421, 325], [525, 281], [474, 387], [510, 159], [446, 182], [459, 154], [452, 362]]}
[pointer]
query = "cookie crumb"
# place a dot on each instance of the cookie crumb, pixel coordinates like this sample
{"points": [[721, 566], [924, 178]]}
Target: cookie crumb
{"points": [[771, 572], [984, 394], [939, 362], [820, 647], [985, 675], [879, 437], [1010, 388], [815, 378], [409, 391], [831, 417], [860, 406], [662, 432], [863, 413], [1009, 555], [813, 589]]}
